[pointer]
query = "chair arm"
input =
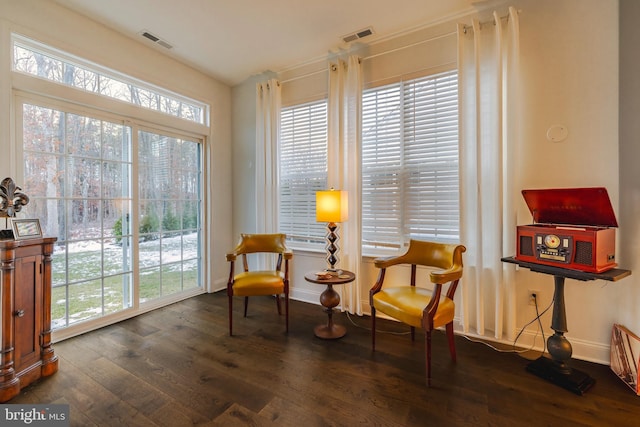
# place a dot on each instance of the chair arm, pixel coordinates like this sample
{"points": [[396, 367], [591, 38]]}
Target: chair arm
{"points": [[232, 256], [377, 286], [430, 310], [444, 276], [288, 254], [384, 262], [232, 266]]}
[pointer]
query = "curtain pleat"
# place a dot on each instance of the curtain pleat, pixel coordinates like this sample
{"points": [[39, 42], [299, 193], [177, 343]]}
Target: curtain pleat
{"points": [[344, 110], [268, 105], [488, 85]]}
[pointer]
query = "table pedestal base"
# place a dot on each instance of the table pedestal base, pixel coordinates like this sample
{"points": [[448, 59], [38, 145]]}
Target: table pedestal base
{"points": [[575, 381], [329, 299], [330, 332]]}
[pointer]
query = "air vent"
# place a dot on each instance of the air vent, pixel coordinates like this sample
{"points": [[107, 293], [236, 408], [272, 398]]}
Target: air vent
{"points": [[165, 44], [150, 36], [358, 35], [156, 39]]}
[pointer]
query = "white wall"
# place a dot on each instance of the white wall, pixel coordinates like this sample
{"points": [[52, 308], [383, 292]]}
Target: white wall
{"points": [[47, 22], [624, 302], [570, 63]]}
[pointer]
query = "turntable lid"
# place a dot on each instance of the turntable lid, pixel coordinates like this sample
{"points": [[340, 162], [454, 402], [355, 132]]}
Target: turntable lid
{"points": [[573, 206]]}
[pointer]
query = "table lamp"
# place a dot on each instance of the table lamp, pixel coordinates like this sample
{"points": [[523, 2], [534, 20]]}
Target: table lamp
{"points": [[332, 207]]}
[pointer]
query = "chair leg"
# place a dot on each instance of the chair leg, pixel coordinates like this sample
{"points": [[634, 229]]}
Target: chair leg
{"points": [[286, 312], [413, 334], [230, 315], [428, 356], [246, 303], [452, 344], [278, 304], [373, 329]]}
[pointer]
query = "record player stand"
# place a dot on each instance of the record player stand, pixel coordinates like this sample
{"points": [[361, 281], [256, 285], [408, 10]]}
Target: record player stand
{"points": [[556, 369]]}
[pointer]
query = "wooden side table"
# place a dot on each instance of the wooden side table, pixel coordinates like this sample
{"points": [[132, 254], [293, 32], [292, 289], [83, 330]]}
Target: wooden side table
{"points": [[26, 354], [329, 299]]}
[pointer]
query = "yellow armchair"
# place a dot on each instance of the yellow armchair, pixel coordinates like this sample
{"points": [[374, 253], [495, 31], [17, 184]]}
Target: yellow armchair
{"points": [[415, 306], [265, 282]]}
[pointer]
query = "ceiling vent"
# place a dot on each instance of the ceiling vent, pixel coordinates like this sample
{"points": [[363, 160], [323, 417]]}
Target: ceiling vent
{"points": [[358, 35], [156, 39]]}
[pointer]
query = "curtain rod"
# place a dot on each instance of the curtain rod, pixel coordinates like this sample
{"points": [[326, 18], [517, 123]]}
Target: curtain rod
{"points": [[493, 21], [312, 73]]}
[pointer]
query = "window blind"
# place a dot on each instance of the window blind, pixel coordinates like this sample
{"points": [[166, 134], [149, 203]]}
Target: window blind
{"points": [[410, 162], [303, 170]]}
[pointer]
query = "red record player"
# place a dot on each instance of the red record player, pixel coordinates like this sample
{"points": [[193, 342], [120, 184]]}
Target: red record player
{"points": [[573, 228]]}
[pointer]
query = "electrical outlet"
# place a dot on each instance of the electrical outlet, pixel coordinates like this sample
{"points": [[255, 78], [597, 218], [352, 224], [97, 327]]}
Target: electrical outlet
{"points": [[532, 298]]}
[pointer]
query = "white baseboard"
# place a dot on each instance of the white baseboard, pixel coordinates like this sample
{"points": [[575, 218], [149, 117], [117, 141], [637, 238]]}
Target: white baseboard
{"points": [[581, 350]]}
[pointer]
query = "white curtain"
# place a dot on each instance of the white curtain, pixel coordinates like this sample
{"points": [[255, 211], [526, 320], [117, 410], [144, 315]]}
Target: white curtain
{"points": [[344, 110], [269, 101], [268, 105], [489, 124]]}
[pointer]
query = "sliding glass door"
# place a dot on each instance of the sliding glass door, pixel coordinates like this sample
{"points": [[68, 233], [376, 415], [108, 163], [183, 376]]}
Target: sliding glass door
{"points": [[124, 203], [168, 214]]}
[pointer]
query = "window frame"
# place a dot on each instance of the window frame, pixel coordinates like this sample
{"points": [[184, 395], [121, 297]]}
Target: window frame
{"points": [[315, 240], [34, 90], [84, 65], [385, 248]]}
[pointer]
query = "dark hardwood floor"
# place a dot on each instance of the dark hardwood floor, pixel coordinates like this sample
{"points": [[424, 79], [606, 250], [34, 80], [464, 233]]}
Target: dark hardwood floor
{"points": [[177, 366]]}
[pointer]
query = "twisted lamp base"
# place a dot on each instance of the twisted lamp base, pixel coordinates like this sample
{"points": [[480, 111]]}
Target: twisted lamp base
{"points": [[332, 246]]}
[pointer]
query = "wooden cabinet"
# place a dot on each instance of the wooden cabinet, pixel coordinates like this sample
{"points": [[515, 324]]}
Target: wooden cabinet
{"points": [[25, 311]]}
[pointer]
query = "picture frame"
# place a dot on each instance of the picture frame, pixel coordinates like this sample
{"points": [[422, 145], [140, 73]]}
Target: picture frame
{"points": [[26, 229]]}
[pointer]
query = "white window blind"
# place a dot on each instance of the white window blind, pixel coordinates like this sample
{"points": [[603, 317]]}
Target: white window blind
{"points": [[410, 162], [303, 170]]}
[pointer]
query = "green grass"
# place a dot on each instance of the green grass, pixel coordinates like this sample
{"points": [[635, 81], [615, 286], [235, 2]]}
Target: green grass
{"points": [[79, 292]]}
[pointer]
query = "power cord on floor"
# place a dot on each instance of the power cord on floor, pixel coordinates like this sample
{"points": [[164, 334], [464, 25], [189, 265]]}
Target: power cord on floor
{"points": [[515, 341], [377, 330], [539, 330]]}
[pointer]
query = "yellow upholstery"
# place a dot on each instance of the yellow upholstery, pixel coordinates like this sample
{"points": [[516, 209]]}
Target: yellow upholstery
{"points": [[252, 243], [407, 304], [264, 282], [415, 306], [258, 283]]}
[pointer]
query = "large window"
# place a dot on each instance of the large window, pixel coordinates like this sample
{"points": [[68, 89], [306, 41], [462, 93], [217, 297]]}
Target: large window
{"points": [[169, 207], [76, 172], [303, 170], [410, 162], [42, 61], [120, 190]]}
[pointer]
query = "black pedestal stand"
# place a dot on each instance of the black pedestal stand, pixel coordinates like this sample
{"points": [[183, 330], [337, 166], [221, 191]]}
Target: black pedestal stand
{"points": [[575, 381], [556, 369]]}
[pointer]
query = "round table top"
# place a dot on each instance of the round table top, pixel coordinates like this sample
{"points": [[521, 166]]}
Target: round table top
{"points": [[339, 277]]}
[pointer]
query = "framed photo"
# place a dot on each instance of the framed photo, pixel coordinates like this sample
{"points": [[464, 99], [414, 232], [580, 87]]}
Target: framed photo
{"points": [[26, 229]]}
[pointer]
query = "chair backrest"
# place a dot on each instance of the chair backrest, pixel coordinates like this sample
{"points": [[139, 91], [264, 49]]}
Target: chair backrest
{"points": [[433, 254], [447, 257], [264, 244], [251, 243]]}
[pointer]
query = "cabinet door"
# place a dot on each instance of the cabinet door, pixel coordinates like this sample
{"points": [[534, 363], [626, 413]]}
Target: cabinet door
{"points": [[27, 311]]}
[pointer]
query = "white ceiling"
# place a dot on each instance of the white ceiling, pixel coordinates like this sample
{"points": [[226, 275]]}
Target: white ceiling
{"points": [[231, 40]]}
